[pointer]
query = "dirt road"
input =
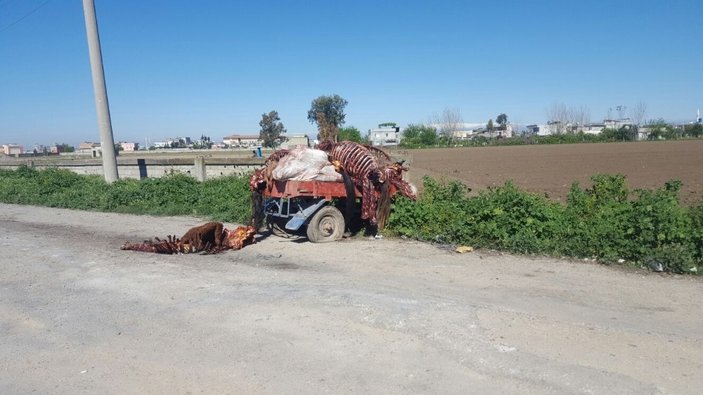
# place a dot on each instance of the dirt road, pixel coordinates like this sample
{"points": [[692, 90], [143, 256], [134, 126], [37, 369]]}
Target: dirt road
{"points": [[78, 315]]}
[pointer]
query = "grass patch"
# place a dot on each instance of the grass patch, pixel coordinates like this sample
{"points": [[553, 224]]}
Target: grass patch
{"points": [[223, 198]]}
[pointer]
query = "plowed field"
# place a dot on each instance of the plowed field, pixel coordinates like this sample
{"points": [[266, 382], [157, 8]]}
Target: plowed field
{"points": [[551, 169]]}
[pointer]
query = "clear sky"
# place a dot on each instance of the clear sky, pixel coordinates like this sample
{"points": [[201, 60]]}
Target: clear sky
{"points": [[186, 68]]}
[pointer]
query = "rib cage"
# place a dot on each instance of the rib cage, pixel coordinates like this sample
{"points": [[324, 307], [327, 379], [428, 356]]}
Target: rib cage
{"points": [[356, 160], [362, 167], [172, 245]]}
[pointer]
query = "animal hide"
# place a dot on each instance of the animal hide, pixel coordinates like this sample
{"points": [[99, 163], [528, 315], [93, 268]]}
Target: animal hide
{"points": [[209, 238]]}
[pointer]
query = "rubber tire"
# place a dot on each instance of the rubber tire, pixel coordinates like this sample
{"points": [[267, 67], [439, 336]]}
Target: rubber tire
{"points": [[326, 225]]}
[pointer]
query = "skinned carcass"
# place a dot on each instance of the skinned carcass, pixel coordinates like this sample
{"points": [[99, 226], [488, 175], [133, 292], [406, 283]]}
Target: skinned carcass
{"points": [[209, 238]]}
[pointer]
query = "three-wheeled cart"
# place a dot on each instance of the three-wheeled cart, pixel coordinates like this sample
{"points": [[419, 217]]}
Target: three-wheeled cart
{"points": [[313, 206]]}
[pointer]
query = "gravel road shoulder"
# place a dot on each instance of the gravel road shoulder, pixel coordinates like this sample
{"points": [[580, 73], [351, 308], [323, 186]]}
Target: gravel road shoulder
{"points": [[78, 315]]}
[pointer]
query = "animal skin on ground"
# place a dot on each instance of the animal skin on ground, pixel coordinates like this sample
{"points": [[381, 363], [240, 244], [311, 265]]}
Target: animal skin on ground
{"points": [[209, 238]]}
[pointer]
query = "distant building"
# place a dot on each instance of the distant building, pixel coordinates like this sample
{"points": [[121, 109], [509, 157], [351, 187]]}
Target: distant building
{"points": [[87, 146], [463, 134], [618, 123], [89, 149], [129, 146], [508, 132], [12, 149], [467, 130], [538, 130], [242, 141], [296, 140], [178, 142], [385, 136], [593, 128]]}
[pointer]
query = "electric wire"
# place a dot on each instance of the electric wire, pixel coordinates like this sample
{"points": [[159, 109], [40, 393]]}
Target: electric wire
{"points": [[25, 16]]}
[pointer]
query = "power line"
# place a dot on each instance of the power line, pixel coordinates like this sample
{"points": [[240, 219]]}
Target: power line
{"points": [[25, 16], [3, 3]]}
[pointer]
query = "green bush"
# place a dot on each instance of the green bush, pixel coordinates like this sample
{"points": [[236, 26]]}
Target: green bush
{"points": [[503, 218], [605, 222], [598, 219], [224, 199]]}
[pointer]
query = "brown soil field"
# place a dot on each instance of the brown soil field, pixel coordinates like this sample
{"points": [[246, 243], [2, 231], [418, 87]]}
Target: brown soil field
{"points": [[551, 169]]}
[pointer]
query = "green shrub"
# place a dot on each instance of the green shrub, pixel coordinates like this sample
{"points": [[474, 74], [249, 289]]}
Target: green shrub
{"points": [[439, 213], [598, 219], [503, 218], [662, 229], [603, 222], [225, 198], [513, 220]]}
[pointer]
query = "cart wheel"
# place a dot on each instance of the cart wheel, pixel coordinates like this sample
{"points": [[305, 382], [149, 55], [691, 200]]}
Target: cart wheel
{"points": [[326, 225]]}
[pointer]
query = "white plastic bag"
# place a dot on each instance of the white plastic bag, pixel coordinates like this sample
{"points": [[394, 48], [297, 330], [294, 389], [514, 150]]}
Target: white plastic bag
{"points": [[305, 164]]}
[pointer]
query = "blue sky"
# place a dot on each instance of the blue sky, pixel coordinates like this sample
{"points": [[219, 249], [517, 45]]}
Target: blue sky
{"points": [[186, 68]]}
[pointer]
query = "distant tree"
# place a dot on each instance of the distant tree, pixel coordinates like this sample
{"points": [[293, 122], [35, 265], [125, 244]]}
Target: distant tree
{"points": [[350, 133], [118, 148], [418, 135], [203, 143], [328, 113], [625, 133], [448, 123], [63, 147], [489, 127], [326, 130], [387, 125], [659, 129], [411, 133], [565, 119], [638, 112], [694, 130], [271, 129], [502, 121], [558, 117], [428, 136]]}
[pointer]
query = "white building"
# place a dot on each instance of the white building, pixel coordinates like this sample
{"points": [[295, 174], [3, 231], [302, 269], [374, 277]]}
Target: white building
{"points": [[508, 132], [242, 141], [129, 146], [296, 140], [385, 136], [593, 128], [618, 123], [539, 129], [12, 149]]}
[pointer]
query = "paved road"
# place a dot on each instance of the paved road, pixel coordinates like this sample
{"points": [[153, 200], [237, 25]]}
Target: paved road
{"points": [[78, 315]]}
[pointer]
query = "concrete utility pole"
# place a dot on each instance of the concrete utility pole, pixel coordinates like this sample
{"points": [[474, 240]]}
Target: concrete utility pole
{"points": [[107, 142]]}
